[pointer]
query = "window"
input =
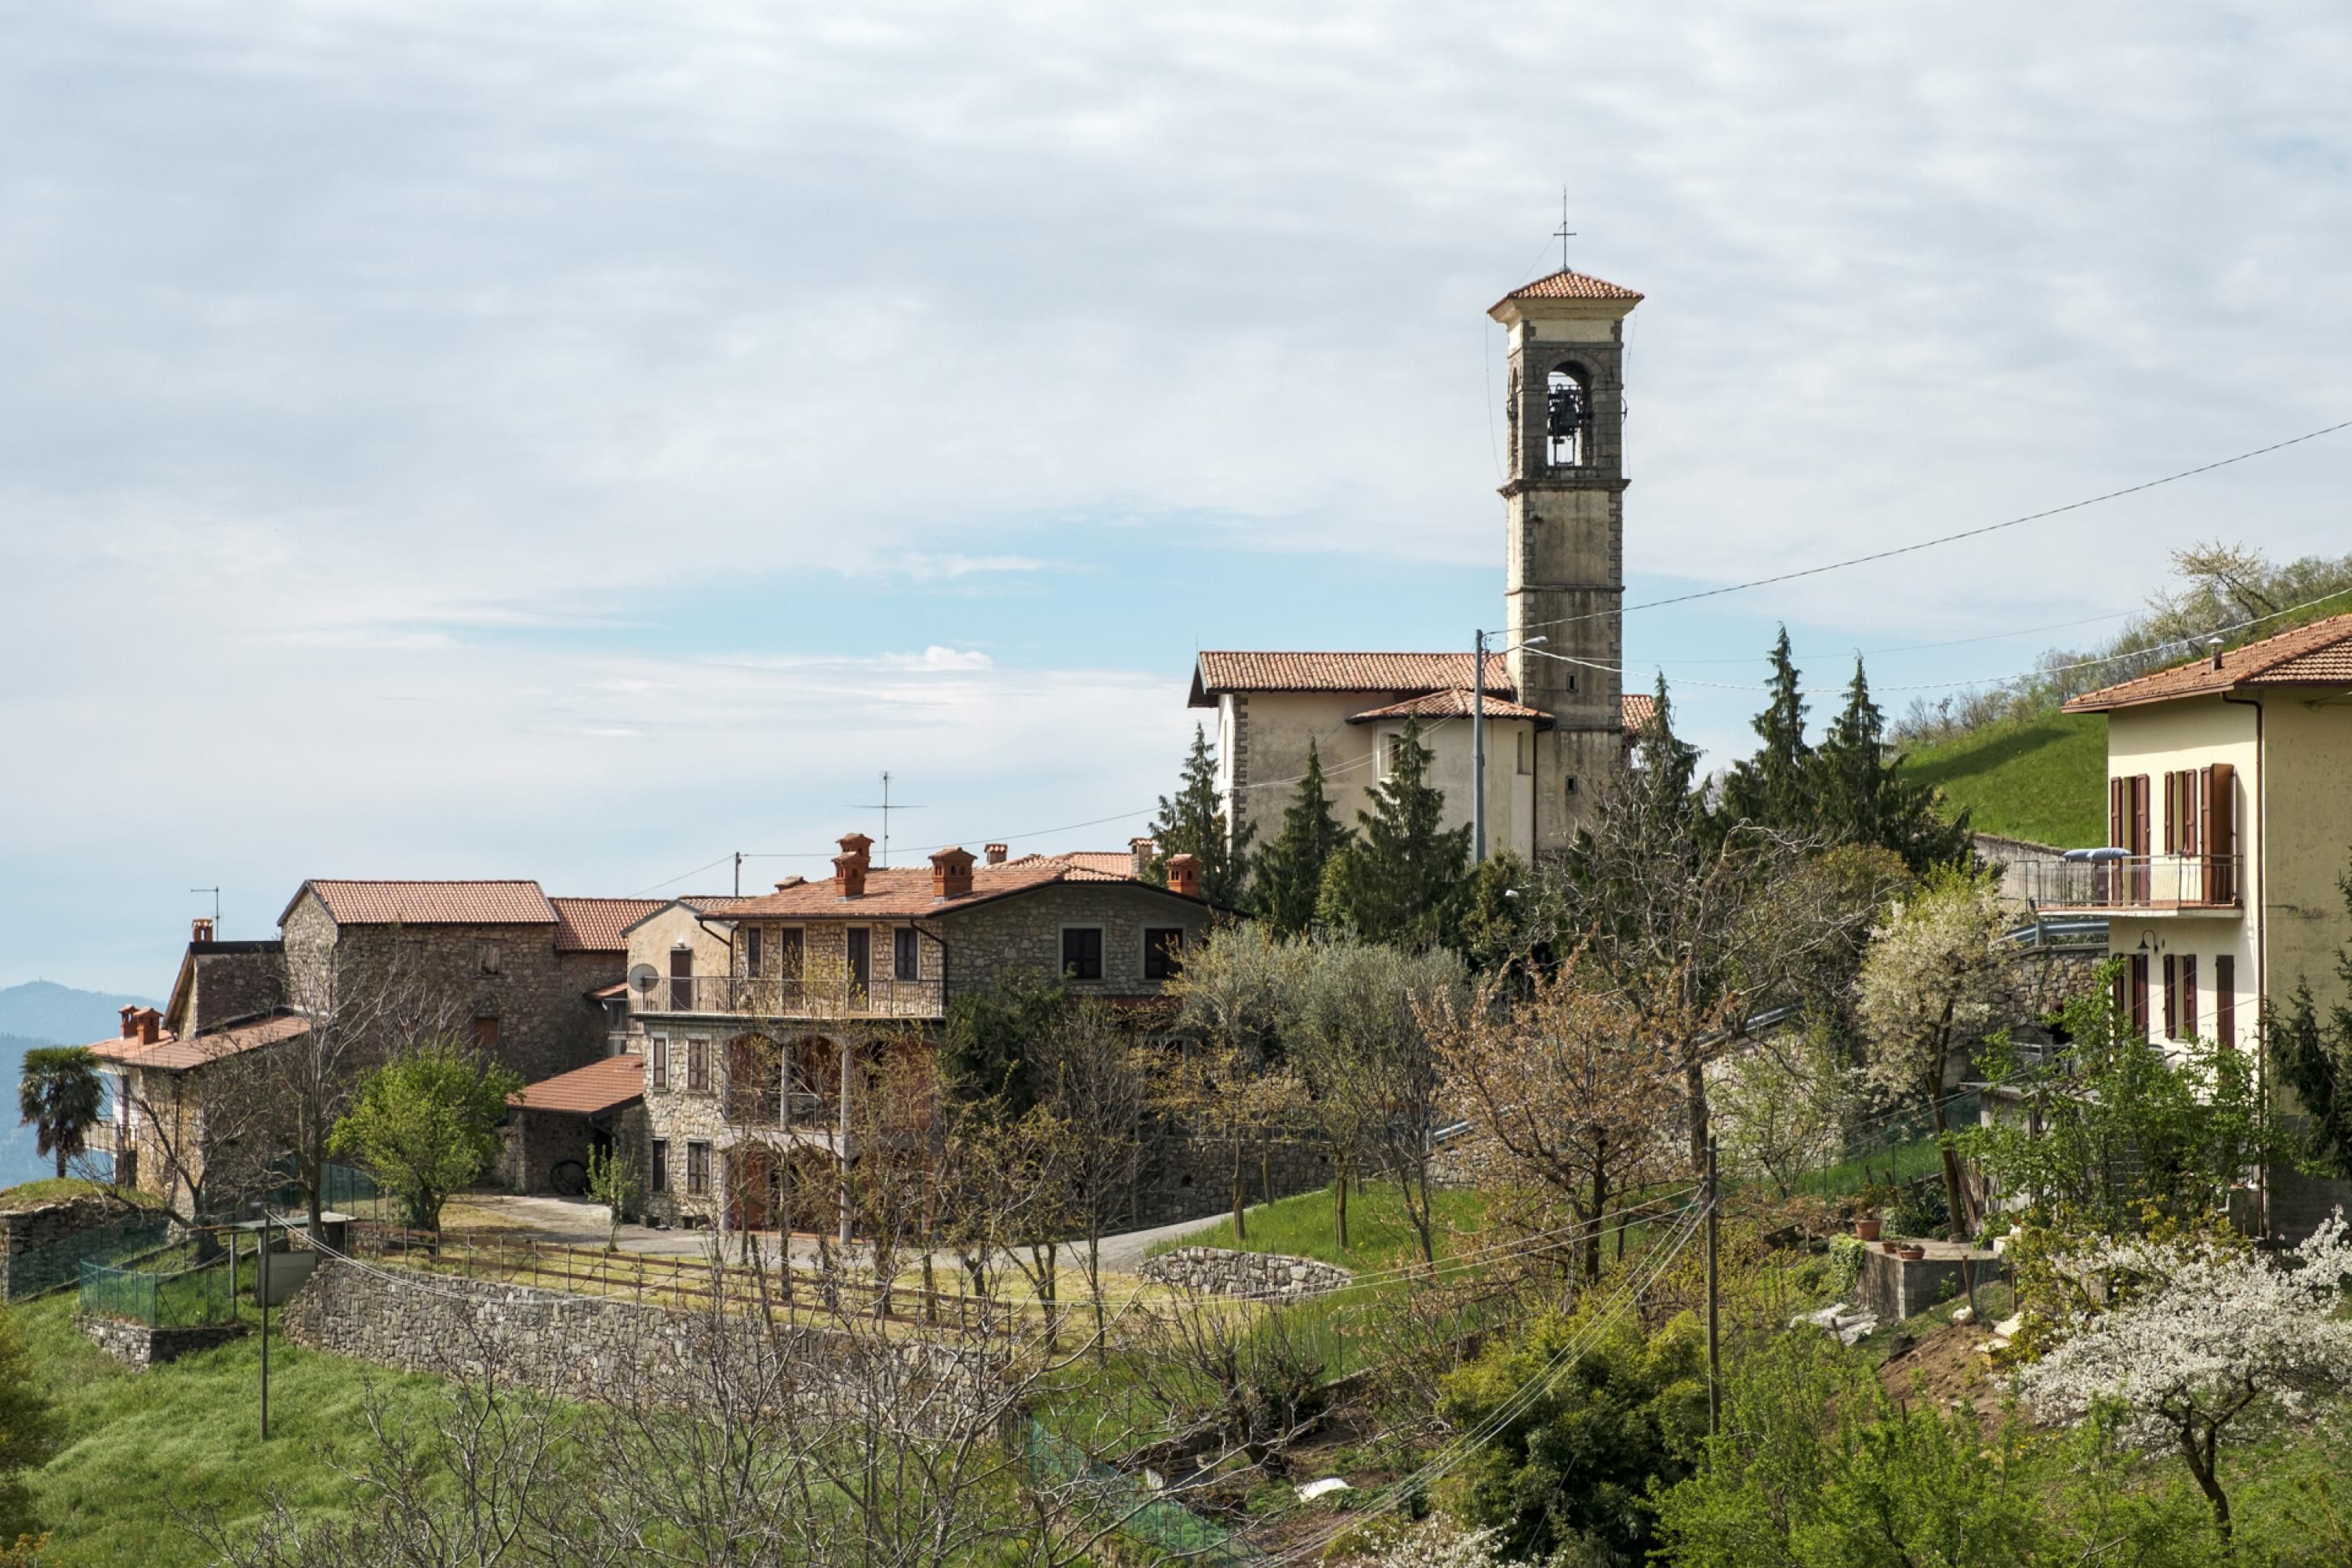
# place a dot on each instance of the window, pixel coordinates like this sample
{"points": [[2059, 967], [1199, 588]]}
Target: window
{"points": [[860, 947], [485, 1034], [2188, 997], [2225, 1001], [681, 978], [660, 1175], [907, 961], [1163, 951], [697, 1169], [697, 1066], [2172, 997], [491, 958], [751, 950], [1569, 786], [788, 953], [1082, 951], [660, 1058], [1527, 754]]}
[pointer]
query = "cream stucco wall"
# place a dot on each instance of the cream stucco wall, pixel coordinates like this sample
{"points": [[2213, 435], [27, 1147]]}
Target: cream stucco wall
{"points": [[2307, 783]]}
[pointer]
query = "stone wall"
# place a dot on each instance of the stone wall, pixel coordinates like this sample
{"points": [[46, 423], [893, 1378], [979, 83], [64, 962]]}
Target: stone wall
{"points": [[231, 979], [139, 1347], [1182, 1177], [993, 941], [594, 1347], [28, 1229], [1265, 1276]]}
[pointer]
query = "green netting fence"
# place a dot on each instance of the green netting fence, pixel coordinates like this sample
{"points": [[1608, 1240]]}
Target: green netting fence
{"points": [[1154, 1522], [40, 1270], [178, 1299], [344, 1189]]}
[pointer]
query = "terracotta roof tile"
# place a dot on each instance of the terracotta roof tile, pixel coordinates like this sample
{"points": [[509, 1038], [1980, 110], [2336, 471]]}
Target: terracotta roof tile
{"points": [[1393, 672], [904, 893], [1566, 285], [1635, 709], [599, 925], [429, 903], [172, 1054], [1098, 865], [2317, 655], [599, 1087], [1453, 703]]}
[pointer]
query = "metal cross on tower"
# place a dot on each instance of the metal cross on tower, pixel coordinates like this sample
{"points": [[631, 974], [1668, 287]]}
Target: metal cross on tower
{"points": [[1563, 232]]}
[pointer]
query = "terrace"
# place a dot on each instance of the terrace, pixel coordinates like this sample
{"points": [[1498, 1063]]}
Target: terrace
{"points": [[770, 996], [2109, 881]]}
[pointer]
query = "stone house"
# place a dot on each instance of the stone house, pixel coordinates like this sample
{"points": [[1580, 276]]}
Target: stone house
{"points": [[554, 1125], [499, 962], [2228, 822], [184, 1114], [755, 1054]]}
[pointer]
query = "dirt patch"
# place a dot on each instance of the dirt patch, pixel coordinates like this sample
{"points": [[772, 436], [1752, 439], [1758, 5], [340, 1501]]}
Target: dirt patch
{"points": [[1945, 1367]]}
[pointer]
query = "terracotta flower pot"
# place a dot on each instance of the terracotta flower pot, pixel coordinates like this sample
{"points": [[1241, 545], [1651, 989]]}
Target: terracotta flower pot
{"points": [[1912, 1253], [1890, 1246], [1867, 1228]]}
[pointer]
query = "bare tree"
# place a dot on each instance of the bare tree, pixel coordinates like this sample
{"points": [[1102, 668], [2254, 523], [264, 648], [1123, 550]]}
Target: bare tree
{"points": [[1232, 996], [1096, 1081], [214, 1125]]}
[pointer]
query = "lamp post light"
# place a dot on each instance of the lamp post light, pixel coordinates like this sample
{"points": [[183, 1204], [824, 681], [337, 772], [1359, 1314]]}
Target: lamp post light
{"points": [[1478, 738]]}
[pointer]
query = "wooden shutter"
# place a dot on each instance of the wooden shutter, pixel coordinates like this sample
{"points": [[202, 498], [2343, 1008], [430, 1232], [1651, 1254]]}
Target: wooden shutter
{"points": [[2172, 995], [2172, 812], [2221, 832], [2140, 992], [2188, 997], [661, 1062], [2139, 814], [2118, 811], [2225, 1001]]}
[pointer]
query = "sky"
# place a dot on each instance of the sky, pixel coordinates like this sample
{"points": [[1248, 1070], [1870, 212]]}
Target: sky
{"points": [[581, 441]]}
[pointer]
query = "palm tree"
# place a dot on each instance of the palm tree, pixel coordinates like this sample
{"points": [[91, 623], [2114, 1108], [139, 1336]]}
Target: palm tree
{"points": [[59, 1095]]}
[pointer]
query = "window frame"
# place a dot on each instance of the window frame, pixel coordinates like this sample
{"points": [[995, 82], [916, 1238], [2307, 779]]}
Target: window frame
{"points": [[697, 1066], [905, 953], [857, 956], [486, 1038], [1170, 957], [754, 950], [657, 1179], [697, 1169], [1100, 954], [657, 1059], [489, 957]]}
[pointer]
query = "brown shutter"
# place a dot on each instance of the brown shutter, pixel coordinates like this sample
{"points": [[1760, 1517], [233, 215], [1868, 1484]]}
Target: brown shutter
{"points": [[2171, 997], [2118, 817], [2225, 1001], [2221, 832], [2172, 812], [2187, 995], [2139, 805], [2139, 994]]}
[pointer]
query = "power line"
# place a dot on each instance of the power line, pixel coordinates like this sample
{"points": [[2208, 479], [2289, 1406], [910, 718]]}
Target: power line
{"points": [[1951, 538]]}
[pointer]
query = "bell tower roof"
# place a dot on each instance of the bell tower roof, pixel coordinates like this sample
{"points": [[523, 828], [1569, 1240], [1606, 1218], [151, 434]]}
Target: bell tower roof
{"points": [[1564, 285]]}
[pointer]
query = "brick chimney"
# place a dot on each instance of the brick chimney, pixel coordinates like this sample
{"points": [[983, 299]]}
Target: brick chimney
{"points": [[857, 843], [1184, 874], [995, 854], [952, 872], [129, 1021], [151, 1024], [1139, 856], [200, 929], [849, 871]]}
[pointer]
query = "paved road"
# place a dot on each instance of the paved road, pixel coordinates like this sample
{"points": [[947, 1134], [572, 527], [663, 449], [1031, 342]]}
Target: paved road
{"points": [[579, 1223]]}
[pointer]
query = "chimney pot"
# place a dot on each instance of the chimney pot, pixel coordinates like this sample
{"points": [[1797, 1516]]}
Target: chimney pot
{"points": [[1184, 874], [200, 929], [129, 1021], [849, 871], [996, 854], [151, 1026], [952, 872], [858, 845], [2216, 645]]}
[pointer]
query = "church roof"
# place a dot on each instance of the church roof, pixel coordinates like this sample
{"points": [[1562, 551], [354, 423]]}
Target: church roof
{"points": [[1451, 703], [1222, 671], [2317, 655], [1566, 285]]}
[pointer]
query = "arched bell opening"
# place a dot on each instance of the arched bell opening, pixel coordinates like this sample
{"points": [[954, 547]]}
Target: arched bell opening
{"points": [[1568, 415]]}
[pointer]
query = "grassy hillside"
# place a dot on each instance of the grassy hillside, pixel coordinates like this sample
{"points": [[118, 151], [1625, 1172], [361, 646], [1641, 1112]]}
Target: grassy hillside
{"points": [[2042, 778]]}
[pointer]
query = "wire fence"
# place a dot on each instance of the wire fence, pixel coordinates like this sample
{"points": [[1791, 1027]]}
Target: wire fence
{"points": [[37, 1271], [1127, 1504], [160, 1299], [342, 1188]]}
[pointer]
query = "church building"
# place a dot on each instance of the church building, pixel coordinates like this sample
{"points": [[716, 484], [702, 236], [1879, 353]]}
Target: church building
{"points": [[1557, 722]]}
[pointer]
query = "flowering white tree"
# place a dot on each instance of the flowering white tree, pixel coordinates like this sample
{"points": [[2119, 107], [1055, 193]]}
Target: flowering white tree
{"points": [[2206, 1342], [1438, 1542]]}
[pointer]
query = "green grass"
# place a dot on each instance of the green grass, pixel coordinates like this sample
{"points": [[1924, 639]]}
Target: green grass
{"points": [[1378, 1234], [2043, 778], [183, 1437]]}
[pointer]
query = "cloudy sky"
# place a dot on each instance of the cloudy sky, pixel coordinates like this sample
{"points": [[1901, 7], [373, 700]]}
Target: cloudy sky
{"points": [[581, 440]]}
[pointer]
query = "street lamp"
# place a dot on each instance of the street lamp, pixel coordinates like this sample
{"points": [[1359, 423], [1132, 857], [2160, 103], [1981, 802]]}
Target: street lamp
{"points": [[1478, 738]]}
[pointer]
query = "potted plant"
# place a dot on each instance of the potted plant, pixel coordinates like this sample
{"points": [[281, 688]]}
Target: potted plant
{"points": [[1867, 1226], [1890, 1246], [1911, 1254]]}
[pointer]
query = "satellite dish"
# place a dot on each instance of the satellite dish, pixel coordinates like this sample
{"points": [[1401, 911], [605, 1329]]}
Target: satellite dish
{"points": [[643, 978]]}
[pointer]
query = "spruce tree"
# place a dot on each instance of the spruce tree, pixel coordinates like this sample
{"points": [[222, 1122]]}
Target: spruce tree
{"points": [[1402, 879], [1193, 824], [1287, 876], [1773, 786], [1860, 796]]}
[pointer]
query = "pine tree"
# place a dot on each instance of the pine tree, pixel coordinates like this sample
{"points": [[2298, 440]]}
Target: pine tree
{"points": [[1859, 794], [1287, 876], [1773, 786], [1402, 879], [1193, 824]]}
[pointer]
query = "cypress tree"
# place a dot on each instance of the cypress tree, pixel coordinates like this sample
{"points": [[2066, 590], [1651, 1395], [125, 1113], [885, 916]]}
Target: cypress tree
{"points": [[1287, 876], [1402, 878], [1860, 796], [1194, 824], [1773, 786]]}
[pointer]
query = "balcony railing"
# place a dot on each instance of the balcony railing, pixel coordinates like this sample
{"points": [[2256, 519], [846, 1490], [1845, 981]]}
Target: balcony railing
{"points": [[766, 1105], [2104, 880], [762, 997]]}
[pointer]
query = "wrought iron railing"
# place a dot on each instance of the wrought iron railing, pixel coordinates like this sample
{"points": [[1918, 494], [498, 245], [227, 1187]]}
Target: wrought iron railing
{"points": [[2104, 879], [766, 996]]}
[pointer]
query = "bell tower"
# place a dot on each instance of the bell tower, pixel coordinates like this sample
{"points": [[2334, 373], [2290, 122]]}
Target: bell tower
{"points": [[1564, 517]]}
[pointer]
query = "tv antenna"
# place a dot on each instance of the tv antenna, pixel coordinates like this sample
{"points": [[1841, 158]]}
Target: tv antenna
{"points": [[215, 893], [886, 808]]}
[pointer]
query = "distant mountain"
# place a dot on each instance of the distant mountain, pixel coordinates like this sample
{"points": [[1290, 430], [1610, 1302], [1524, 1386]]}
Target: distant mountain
{"points": [[46, 1012]]}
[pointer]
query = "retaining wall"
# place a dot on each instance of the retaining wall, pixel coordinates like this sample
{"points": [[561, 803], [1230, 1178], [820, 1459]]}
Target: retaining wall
{"points": [[1217, 1271], [139, 1347]]}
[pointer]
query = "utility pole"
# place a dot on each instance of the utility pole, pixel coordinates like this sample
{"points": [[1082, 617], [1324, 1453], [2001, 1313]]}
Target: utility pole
{"points": [[262, 1288], [1478, 747], [738, 873], [1714, 1306]]}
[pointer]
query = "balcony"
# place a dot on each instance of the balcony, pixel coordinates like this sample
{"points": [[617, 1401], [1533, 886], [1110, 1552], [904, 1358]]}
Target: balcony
{"points": [[2109, 881], [767, 996]]}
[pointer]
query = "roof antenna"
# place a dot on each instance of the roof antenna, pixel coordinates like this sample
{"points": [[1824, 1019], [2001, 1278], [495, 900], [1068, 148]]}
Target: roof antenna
{"points": [[215, 893], [1563, 232], [886, 808]]}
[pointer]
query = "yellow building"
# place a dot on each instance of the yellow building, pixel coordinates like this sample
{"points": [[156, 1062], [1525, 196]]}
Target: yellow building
{"points": [[2228, 823]]}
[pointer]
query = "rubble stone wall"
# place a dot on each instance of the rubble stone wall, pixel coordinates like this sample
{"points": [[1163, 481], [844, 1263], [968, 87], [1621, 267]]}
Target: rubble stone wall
{"points": [[1216, 1271]]}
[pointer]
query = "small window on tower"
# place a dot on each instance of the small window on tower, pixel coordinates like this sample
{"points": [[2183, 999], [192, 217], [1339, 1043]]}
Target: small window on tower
{"points": [[1567, 417], [1570, 786], [1527, 754]]}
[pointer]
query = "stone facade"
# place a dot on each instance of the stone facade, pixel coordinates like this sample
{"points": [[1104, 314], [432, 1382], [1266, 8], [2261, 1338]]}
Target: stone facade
{"points": [[139, 1347], [470, 976], [536, 1142], [589, 1347], [1023, 934], [223, 982], [1260, 1276]]}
